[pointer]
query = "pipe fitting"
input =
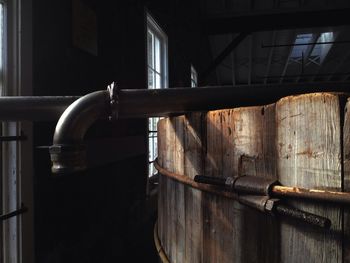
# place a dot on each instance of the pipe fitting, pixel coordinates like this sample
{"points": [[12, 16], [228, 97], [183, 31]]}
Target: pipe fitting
{"points": [[68, 153]]}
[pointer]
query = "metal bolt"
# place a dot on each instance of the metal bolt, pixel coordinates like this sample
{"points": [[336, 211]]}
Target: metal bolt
{"points": [[271, 204]]}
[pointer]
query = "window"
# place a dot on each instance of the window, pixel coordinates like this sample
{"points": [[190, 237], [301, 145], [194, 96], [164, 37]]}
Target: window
{"points": [[16, 238], [301, 43], [312, 48], [320, 51], [194, 77], [157, 79]]}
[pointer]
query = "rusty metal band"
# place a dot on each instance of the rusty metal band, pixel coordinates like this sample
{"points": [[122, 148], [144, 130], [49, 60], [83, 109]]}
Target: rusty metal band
{"points": [[161, 252], [188, 181], [312, 194], [277, 190]]}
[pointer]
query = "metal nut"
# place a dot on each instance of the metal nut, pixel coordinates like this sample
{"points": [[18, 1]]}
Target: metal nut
{"points": [[270, 205], [229, 182]]}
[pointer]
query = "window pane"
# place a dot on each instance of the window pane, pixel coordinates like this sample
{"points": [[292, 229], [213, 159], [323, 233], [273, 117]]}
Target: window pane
{"points": [[193, 77], [158, 84], [322, 50], [157, 55], [297, 51], [151, 83], [1, 48], [157, 61], [152, 124], [150, 39]]}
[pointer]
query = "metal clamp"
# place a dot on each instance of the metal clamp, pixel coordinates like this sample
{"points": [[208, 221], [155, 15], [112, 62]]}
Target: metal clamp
{"points": [[255, 192], [114, 100], [241, 184]]}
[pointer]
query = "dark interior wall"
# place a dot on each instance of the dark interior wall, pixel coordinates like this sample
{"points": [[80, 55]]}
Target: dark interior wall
{"points": [[100, 215], [181, 21]]}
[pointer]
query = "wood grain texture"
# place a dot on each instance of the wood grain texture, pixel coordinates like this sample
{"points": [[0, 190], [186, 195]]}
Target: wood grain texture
{"points": [[346, 162], [239, 142], [298, 140], [179, 191], [309, 155], [162, 209], [194, 133]]}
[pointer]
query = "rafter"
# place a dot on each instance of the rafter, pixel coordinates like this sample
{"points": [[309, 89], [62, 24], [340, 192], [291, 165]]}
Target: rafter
{"points": [[270, 56], [307, 54], [233, 65], [287, 62], [250, 55], [339, 64], [235, 42], [276, 21]]}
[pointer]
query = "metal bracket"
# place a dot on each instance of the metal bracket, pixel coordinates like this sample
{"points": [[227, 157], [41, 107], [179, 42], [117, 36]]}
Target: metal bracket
{"points": [[17, 212], [21, 137], [255, 192]]}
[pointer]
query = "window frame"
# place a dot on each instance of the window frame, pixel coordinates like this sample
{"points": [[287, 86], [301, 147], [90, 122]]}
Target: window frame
{"points": [[153, 27], [17, 156], [194, 77]]}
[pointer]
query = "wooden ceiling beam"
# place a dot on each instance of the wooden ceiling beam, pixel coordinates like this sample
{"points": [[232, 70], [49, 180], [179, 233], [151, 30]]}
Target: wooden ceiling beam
{"points": [[254, 22]]}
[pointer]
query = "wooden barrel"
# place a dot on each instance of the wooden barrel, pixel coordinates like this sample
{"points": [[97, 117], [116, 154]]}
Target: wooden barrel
{"points": [[301, 140]]}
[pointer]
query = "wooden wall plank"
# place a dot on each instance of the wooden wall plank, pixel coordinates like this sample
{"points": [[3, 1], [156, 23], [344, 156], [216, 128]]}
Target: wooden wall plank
{"points": [[216, 210], [309, 155], [179, 194], [299, 140], [162, 207], [346, 162], [233, 137], [194, 133]]}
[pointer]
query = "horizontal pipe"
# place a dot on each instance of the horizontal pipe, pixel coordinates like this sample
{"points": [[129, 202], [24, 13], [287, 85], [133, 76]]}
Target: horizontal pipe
{"points": [[47, 108], [165, 102], [27, 108]]}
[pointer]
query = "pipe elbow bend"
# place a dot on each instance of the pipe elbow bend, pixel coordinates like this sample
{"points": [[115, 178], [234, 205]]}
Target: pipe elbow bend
{"points": [[68, 153]]}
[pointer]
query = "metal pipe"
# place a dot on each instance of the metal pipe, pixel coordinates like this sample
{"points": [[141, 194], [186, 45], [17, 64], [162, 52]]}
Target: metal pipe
{"points": [[259, 202], [68, 150], [305, 75], [164, 102], [34, 108], [48, 108], [306, 44]]}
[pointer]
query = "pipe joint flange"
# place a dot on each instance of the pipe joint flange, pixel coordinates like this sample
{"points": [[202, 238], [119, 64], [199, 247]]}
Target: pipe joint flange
{"points": [[114, 100], [67, 158]]}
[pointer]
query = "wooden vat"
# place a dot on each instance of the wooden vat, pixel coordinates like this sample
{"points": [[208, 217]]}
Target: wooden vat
{"points": [[301, 140]]}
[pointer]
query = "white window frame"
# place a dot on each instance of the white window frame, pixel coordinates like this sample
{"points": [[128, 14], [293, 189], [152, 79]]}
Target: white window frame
{"points": [[194, 77], [16, 171], [157, 32]]}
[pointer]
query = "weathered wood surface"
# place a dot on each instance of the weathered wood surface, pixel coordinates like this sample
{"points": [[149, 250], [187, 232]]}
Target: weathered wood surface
{"points": [[237, 142], [309, 155], [298, 140], [346, 156], [180, 223], [194, 132]]}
